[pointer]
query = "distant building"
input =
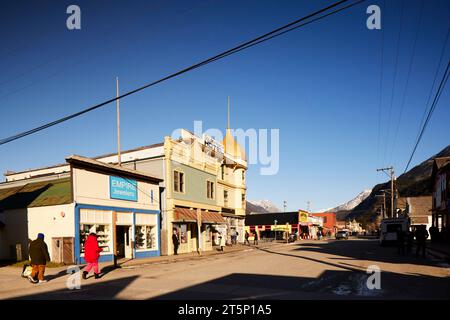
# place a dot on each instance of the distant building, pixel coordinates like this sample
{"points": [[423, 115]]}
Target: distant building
{"points": [[418, 209], [440, 179], [275, 225], [329, 221]]}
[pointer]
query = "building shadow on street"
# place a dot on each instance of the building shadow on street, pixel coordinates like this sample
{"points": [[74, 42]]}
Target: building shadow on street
{"points": [[102, 290], [363, 250], [330, 285]]}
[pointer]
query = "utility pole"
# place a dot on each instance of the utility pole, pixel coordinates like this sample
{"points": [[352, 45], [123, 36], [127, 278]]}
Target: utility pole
{"points": [[118, 121], [391, 175]]}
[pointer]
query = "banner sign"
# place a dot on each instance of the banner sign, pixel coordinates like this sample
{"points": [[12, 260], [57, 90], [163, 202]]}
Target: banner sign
{"points": [[122, 189]]}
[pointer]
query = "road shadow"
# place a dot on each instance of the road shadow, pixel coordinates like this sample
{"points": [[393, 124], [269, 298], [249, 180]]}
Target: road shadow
{"points": [[330, 285], [363, 250], [104, 290]]}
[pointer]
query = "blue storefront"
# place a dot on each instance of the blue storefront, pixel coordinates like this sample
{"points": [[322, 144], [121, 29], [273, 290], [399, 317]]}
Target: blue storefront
{"points": [[121, 206]]}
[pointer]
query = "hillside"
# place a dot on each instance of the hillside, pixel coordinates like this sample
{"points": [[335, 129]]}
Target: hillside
{"points": [[414, 182]]}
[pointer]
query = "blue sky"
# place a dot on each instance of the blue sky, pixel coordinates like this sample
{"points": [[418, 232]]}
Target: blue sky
{"points": [[319, 85]]}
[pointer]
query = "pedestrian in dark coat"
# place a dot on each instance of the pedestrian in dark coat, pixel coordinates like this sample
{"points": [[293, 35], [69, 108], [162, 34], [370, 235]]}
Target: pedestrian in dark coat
{"points": [[247, 235], [39, 256], [91, 255], [421, 238], [176, 242], [401, 241], [255, 240]]}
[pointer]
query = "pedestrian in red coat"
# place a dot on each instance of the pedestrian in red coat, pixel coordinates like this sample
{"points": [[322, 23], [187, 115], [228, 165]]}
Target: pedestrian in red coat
{"points": [[91, 255]]}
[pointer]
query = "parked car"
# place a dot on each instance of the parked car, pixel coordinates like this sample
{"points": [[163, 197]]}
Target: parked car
{"points": [[342, 235]]}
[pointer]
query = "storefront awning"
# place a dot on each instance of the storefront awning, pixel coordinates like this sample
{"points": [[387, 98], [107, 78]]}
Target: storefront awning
{"points": [[188, 215]]}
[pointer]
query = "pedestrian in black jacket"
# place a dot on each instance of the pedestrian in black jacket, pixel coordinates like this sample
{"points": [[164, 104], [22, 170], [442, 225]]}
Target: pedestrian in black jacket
{"points": [[39, 256]]}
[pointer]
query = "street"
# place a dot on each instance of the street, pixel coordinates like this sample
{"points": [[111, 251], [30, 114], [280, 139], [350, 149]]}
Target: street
{"points": [[326, 269]]}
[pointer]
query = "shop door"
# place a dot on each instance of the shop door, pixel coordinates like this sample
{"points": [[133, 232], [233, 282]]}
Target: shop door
{"points": [[123, 238]]}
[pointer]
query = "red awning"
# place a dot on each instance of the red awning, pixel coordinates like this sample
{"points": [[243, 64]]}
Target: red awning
{"points": [[188, 215]]}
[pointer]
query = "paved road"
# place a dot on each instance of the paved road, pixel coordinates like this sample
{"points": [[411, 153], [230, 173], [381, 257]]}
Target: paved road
{"points": [[304, 270]]}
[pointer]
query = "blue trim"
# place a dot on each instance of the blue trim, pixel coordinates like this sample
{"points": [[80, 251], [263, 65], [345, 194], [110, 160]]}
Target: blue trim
{"points": [[147, 254], [103, 258], [110, 257], [77, 235], [121, 209], [134, 234]]}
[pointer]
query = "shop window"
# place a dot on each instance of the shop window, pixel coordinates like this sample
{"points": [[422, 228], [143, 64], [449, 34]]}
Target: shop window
{"points": [[178, 181], [181, 231], [208, 232], [103, 232], [210, 189], [145, 237]]}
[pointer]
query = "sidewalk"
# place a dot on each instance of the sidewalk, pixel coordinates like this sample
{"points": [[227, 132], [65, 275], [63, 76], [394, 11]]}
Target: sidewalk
{"points": [[186, 256]]}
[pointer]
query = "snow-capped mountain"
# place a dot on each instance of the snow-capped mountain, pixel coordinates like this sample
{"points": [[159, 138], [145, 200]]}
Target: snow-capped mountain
{"points": [[261, 206], [352, 203]]}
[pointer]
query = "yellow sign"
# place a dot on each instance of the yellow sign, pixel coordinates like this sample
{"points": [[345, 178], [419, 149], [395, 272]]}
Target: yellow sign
{"points": [[280, 228], [303, 217]]}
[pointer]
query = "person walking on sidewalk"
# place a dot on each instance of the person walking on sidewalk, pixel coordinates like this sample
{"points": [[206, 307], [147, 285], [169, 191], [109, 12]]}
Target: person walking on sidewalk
{"points": [[255, 240], [247, 235], [91, 255], [421, 238], [39, 256]]}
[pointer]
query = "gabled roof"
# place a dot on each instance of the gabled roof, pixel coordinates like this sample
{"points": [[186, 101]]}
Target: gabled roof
{"points": [[37, 194], [439, 163], [84, 162]]}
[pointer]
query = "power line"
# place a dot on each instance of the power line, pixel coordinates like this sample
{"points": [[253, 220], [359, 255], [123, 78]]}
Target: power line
{"points": [[430, 113], [274, 33], [381, 88], [407, 79], [393, 80], [434, 81]]}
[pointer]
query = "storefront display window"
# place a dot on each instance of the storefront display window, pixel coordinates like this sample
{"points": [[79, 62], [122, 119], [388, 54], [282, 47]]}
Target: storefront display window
{"points": [[182, 232], [207, 233], [103, 232], [145, 237]]}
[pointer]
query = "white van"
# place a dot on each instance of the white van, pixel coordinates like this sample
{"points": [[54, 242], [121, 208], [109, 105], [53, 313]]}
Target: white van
{"points": [[389, 227]]}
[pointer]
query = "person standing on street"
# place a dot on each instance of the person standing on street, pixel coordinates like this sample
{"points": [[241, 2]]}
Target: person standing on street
{"points": [[222, 241], [421, 238], [91, 255], [401, 241], [247, 235], [255, 241], [39, 256], [176, 242]]}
